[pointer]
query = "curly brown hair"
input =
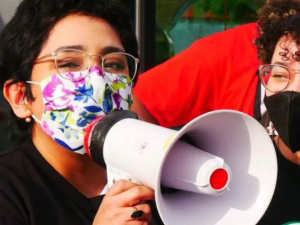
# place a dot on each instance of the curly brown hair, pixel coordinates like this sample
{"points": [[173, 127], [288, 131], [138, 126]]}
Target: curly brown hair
{"points": [[276, 19]]}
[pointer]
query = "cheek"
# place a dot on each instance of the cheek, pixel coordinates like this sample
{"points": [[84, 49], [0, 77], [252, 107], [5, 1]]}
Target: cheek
{"points": [[37, 106], [39, 72], [269, 93]]}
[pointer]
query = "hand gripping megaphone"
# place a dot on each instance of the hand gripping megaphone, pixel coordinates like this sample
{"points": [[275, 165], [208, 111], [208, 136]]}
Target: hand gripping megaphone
{"points": [[222, 164]]}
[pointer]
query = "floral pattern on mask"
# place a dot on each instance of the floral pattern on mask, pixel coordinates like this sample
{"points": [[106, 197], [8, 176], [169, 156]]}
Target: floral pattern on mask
{"points": [[70, 105]]}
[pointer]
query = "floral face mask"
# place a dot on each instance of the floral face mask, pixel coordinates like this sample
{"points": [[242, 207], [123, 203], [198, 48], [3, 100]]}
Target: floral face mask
{"points": [[70, 105]]}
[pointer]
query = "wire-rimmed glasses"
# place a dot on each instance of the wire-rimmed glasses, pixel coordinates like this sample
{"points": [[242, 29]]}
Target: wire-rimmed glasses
{"points": [[276, 78], [68, 61]]}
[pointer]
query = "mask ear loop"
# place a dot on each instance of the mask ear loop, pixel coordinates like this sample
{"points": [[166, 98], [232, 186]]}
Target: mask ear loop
{"points": [[33, 82], [269, 126], [25, 103], [28, 119], [271, 130]]}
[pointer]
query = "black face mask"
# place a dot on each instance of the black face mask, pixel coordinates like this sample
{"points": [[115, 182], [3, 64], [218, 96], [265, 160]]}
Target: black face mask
{"points": [[284, 111]]}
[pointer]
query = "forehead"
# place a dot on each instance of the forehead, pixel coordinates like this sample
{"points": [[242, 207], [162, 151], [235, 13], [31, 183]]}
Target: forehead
{"points": [[90, 32], [285, 50]]}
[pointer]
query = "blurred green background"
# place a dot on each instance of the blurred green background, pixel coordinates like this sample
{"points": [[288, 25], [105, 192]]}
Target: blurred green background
{"points": [[180, 22]]}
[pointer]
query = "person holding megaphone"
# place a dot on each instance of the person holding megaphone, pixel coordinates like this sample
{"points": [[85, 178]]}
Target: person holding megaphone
{"points": [[64, 63], [278, 46]]}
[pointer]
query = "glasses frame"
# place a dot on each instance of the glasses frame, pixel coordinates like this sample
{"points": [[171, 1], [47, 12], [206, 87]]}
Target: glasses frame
{"points": [[291, 75], [55, 53]]}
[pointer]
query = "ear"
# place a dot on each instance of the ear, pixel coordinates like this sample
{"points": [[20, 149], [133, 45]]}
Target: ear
{"points": [[14, 94]]}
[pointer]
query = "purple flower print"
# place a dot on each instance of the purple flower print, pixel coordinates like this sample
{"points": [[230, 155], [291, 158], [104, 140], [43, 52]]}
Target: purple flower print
{"points": [[75, 76], [94, 69], [64, 102], [53, 87], [117, 99], [97, 70], [71, 105], [116, 80], [47, 129], [79, 84]]}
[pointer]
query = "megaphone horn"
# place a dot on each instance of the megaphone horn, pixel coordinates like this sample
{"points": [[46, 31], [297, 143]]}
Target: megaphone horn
{"points": [[227, 170]]}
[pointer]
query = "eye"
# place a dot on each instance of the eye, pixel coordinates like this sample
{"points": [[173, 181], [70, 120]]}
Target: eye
{"points": [[114, 64], [69, 62], [280, 76]]}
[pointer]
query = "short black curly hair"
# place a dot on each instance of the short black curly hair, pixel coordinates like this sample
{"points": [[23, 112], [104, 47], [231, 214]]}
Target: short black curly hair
{"points": [[24, 36], [276, 19]]}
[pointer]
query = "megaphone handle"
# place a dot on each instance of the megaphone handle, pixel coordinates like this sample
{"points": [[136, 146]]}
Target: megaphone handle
{"points": [[113, 175]]}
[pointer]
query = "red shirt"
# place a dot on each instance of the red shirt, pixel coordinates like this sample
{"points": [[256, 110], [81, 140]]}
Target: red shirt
{"points": [[216, 72]]}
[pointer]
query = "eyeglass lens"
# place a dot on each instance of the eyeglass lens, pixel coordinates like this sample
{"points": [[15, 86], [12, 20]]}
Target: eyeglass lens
{"points": [[275, 78]]}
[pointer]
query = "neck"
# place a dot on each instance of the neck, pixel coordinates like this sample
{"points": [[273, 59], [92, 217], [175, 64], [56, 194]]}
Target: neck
{"points": [[79, 170], [287, 152]]}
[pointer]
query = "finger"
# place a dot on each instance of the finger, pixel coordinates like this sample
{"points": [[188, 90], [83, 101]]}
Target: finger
{"points": [[134, 195], [141, 212], [120, 186], [123, 215]]}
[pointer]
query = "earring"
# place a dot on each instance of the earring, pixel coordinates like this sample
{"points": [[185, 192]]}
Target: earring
{"points": [[28, 120]]}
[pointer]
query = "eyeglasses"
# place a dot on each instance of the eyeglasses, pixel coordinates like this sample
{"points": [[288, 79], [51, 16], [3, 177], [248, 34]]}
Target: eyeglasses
{"points": [[276, 78], [73, 60]]}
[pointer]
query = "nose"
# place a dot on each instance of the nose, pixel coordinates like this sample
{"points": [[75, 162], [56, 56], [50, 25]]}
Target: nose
{"points": [[295, 85], [96, 60]]}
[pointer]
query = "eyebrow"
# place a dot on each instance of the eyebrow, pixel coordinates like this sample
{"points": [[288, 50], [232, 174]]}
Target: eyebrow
{"points": [[285, 65], [110, 49], [78, 47], [104, 51], [281, 63]]}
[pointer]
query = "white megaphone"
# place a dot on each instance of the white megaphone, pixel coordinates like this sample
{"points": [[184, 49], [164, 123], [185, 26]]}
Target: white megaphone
{"points": [[223, 165]]}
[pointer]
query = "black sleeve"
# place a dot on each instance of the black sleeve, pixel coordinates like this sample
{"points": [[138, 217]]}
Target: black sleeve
{"points": [[7, 219], [156, 220]]}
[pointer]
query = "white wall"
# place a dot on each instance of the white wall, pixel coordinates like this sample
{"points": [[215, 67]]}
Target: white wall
{"points": [[7, 10]]}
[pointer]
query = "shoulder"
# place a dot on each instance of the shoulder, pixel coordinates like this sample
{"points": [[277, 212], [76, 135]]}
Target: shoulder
{"points": [[247, 30], [17, 154], [233, 37], [13, 177], [17, 162]]}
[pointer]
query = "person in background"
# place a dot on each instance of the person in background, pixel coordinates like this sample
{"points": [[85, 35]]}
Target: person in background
{"points": [[252, 68], [216, 72], [64, 63], [278, 47]]}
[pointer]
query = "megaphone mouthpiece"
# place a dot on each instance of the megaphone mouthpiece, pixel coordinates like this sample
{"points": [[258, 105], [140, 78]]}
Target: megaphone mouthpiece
{"points": [[191, 169]]}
